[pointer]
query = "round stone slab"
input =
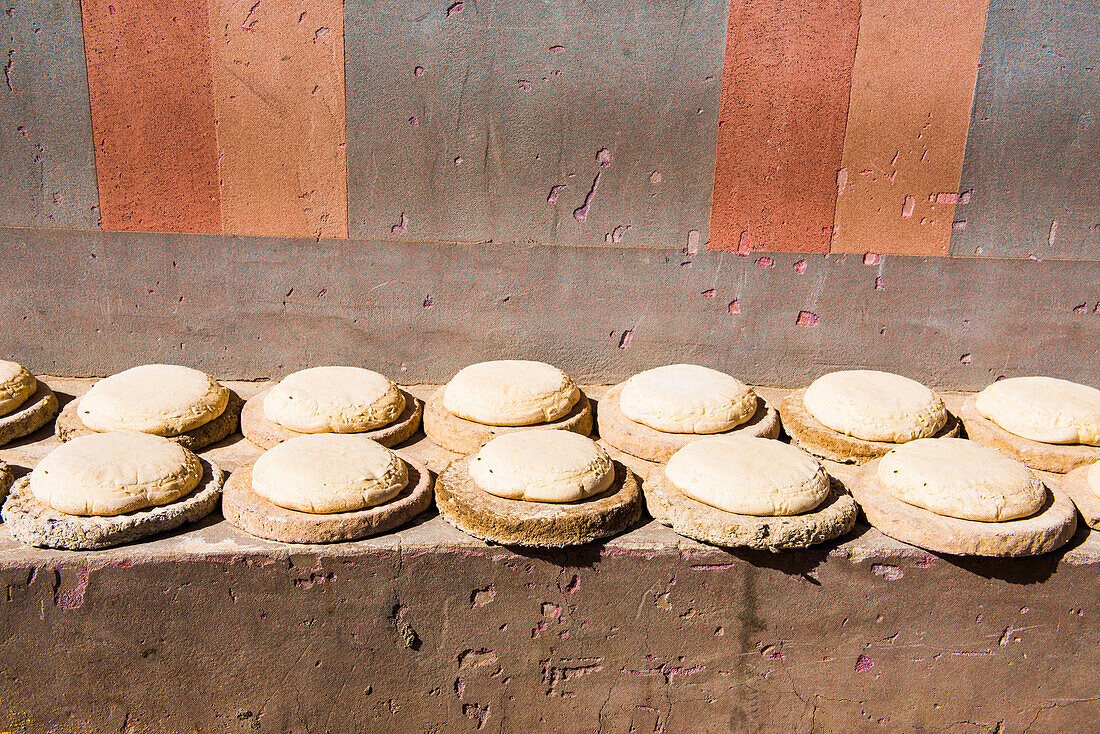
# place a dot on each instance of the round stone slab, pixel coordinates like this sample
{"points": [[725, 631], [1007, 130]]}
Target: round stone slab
{"points": [[465, 437], [6, 480], [536, 524], [648, 443], [37, 411], [266, 433], [1048, 529], [815, 437], [36, 524], [1076, 485], [69, 425], [834, 517], [257, 516], [1052, 457]]}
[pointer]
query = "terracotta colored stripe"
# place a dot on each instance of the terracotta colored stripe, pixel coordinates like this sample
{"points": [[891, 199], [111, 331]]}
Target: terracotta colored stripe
{"points": [[152, 101], [279, 87], [785, 89], [912, 89]]}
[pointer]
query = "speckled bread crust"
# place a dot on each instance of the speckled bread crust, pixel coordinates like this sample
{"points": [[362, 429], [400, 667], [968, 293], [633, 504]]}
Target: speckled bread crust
{"points": [[1052, 457], [34, 523], [650, 444], [810, 434], [465, 437], [69, 425], [1076, 485], [1046, 530], [257, 516], [6, 480], [38, 410], [536, 524], [266, 433], [834, 517]]}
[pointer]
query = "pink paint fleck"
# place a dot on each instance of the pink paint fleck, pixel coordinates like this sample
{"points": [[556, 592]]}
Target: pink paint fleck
{"points": [[557, 49], [864, 663], [616, 235], [879, 284], [764, 262], [709, 293], [841, 181], [626, 338], [800, 267], [554, 190], [807, 318], [888, 572], [744, 244], [694, 239], [944, 198], [403, 227], [735, 308], [455, 8], [603, 157], [413, 121], [872, 258], [428, 302], [909, 205], [966, 358], [458, 160], [959, 226], [418, 71], [655, 177], [581, 212], [1081, 309], [524, 84], [74, 598], [1053, 233], [964, 197]]}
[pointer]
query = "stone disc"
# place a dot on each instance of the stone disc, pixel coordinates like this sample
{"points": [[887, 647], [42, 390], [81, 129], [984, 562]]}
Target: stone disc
{"points": [[266, 433], [834, 517], [6, 480], [257, 516], [1076, 485], [648, 443], [1048, 529], [810, 434], [69, 425], [1052, 457], [465, 437], [34, 523], [536, 524], [38, 410]]}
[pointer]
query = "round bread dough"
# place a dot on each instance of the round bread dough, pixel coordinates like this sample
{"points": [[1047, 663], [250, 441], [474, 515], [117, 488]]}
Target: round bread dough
{"points": [[1093, 478], [510, 392], [687, 398], [329, 472], [542, 466], [1043, 409], [16, 385], [108, 474], [875, 406], [958, 478], [162, 399], [334, 400], [749, 476]]}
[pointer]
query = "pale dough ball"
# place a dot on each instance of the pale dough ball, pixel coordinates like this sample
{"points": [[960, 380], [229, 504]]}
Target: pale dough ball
{"points": [[875, 406], [1093, 478], [510, 393], [1043, 409], [16, 385], [114, 473], [542, 466], [329, 472], [749, 476], [334, 400], [959, 478], [687, 398], [162, 399]]}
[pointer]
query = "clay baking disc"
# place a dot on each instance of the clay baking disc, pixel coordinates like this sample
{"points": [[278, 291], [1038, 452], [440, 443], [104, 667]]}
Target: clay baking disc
{"points": [[69, 425], [266, 433], [465, 437], [1052, 457], [536, 524], [36, 412], [834, 517], [257, 516], [814, 436], [648, 443], [1050, 528], [34, 523], [1076, 485]]}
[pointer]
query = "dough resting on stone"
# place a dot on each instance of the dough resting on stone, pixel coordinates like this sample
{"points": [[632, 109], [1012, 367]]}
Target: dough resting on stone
{"points": [[687, 398], [329, 472], [114, 473], [1043, 409], [749, 476], [162, 399], [16, 385], [875, 406], [334, 400], [510, 393], [542, 466], [955, 477]]}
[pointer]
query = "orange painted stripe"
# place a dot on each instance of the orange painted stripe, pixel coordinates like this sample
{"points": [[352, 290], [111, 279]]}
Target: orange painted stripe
{"points": [[912, 91], [279, 87], [152, 103], [785, 86]]}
